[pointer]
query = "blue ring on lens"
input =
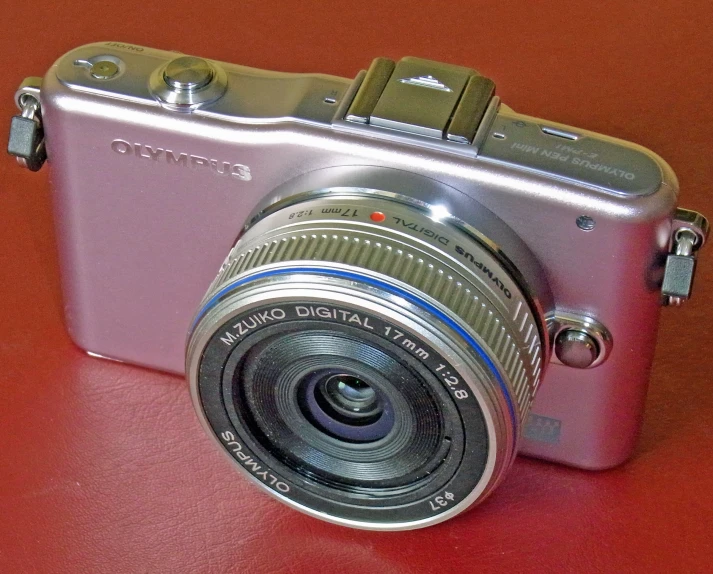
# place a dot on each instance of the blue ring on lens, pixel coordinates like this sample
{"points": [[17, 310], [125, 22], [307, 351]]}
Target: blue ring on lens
{"points": [[386, 287]]}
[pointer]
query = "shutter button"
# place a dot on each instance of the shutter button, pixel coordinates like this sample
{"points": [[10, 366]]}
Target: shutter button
{"points": [[187, 82], [188, 74]]}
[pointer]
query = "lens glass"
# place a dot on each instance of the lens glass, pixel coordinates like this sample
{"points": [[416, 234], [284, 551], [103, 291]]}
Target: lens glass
{"points": [[349, 396], [344, 406], [303, 390]]}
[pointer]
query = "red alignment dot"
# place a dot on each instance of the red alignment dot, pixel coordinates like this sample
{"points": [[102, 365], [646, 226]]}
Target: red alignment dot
{"points": [[377, 216]]}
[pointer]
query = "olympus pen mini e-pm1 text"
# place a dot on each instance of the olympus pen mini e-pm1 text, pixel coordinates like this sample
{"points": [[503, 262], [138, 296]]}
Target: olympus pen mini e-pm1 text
{"points": [[380, 289]]}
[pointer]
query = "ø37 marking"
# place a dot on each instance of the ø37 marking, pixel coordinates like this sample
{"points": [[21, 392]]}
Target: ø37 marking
{"points": [[438, 503]]}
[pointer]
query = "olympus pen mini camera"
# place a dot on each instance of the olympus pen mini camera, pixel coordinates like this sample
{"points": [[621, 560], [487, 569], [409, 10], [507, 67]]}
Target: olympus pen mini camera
{"points": [[424, 284]]}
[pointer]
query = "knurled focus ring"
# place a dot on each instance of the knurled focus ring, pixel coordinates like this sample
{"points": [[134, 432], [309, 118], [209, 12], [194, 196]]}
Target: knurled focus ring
{"points": [[513, 341]]}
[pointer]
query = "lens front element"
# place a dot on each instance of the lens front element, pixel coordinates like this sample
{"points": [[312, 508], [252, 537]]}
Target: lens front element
{"points": [[349, 397], [346, 407]]}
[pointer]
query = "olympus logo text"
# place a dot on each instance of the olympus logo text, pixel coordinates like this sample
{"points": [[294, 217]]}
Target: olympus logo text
{"points": [[158, 154]]}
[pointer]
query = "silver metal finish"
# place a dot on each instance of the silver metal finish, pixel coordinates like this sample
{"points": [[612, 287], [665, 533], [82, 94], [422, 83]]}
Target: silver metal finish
{"points": [[272, 94], [685, 242], [30, 87], [188, 73], [696, 223], [101, 67], [279, 126], [437, 202], [185, 83], [579, 341], [680, 270], [576, 349], [104, 70], [336, 230], [593, 161], [689, 233], [542, 155], [552, 131], [31, 108], [507, 326], [408, 318], [26, 141]]}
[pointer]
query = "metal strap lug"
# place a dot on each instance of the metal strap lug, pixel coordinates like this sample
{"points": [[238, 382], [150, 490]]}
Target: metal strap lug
{"points": [[27, 140], [688, 234]]}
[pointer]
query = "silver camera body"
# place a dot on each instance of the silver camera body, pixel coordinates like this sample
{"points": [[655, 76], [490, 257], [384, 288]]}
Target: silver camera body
{"points": [[160, 160]]}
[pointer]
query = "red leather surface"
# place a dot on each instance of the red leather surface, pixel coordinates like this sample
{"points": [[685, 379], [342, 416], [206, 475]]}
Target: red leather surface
{"points": [[103, 466]]}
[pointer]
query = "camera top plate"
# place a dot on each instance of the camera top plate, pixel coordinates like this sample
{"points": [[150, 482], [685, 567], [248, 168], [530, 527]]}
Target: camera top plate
{"points": [[414, 102]]}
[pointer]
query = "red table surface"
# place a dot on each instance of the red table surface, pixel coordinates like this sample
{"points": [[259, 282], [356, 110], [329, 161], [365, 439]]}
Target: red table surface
{"points": [[103, 466]]}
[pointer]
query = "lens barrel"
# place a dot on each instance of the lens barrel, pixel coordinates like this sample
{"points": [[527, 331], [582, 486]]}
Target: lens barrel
{"points": [[366, 360]]}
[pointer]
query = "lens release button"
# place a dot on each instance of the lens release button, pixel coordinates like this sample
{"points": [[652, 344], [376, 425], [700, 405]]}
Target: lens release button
{"points": [[576, 349], [188, 73]]}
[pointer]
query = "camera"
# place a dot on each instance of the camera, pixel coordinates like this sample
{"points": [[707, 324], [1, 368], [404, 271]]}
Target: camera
{"points": [[380, 290]]}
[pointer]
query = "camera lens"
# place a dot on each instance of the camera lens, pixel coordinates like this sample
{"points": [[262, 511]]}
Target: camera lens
{"points": [[374, 372], [277, 387], [346, 407], [349, 396]]}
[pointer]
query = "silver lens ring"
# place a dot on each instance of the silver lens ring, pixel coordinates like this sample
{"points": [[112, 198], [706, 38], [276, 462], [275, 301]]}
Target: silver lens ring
{"points": [[385, 264]]}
